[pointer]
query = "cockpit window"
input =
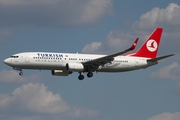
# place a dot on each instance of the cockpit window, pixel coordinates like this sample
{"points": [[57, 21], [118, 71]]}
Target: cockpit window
{"points": [[14, 56]]}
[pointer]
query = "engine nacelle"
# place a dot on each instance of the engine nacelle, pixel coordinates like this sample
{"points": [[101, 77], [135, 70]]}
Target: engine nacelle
{"points": [[60, 73], [75, 67]]}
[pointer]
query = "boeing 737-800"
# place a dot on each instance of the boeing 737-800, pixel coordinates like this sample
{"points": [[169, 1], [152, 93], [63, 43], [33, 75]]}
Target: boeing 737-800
{"points": [[63, 64]]}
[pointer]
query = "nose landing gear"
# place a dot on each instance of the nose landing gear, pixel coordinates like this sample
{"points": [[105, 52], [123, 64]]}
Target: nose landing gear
{"points": [[20, 73]]}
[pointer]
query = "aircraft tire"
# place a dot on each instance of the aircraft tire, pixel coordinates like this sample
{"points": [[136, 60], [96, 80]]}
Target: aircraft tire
{"points": [[20, 73], [81, 77], [89, 74]]}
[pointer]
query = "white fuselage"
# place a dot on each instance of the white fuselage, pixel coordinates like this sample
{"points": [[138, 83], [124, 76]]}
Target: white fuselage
{"points": [[58, 61], [63, 64]]}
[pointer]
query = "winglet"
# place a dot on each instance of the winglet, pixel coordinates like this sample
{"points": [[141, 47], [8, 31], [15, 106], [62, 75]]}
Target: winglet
{"points": [[133, 46]]}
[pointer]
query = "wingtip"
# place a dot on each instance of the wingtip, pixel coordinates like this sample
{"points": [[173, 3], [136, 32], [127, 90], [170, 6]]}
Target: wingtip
{"points": [[172, 54]]}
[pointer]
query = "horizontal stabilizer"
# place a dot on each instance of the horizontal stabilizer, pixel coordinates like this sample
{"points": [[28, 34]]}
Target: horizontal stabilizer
{"points": [[159, 58]]}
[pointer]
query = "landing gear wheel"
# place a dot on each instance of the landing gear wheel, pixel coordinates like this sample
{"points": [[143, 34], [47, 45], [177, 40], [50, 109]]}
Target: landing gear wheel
{"points": [[89, 74], [20, 73], [81, 77]]}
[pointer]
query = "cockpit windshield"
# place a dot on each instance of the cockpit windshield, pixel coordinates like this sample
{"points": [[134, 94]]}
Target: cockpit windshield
{"points": [[14, 56]]}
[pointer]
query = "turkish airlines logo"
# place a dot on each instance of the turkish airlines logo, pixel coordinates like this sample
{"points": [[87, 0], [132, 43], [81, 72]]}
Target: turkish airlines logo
{"points": [[152, 45]]}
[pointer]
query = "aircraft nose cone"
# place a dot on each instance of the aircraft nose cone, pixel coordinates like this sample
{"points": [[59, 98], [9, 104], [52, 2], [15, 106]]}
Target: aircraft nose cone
{"points": [[7, 61]]}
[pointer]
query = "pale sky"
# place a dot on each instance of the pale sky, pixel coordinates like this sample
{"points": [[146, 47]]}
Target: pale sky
{"points": [[89, 26]]}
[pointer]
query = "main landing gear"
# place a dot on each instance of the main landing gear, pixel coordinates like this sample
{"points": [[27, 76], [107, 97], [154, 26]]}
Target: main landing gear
{"points": [[89, 74], [81, 77]]}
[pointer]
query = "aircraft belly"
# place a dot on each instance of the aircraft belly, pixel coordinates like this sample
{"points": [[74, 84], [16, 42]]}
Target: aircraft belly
{"points": [[114, 70], [119, 68], [42, 66]]}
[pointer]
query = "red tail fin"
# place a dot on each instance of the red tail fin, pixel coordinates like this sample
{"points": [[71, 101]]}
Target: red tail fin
{"points": [[150, 47]]}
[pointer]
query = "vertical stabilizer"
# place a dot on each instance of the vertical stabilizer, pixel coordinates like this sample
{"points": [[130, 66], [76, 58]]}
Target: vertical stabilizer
{"points": [[150, 47]]}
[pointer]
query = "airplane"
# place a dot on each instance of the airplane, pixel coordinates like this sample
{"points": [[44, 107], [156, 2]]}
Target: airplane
{"points": [[64, 64]]}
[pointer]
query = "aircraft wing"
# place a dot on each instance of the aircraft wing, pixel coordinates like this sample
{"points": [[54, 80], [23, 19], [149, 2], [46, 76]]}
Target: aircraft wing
{"points": [[159, 58], [94, 64]]}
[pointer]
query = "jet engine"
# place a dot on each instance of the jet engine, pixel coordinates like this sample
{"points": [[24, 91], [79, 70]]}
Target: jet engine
{"points": [[60, 72], [75, 67]]}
